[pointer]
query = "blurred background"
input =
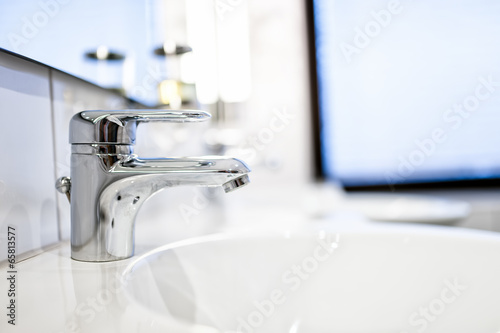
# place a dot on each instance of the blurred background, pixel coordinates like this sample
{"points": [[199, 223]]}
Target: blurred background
{"points": [[242, 61], [388, 86], [394, 95]]}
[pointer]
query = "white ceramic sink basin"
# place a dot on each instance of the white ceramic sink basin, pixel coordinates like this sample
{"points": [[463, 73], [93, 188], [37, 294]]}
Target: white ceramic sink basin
{"points": [[390, 280]]}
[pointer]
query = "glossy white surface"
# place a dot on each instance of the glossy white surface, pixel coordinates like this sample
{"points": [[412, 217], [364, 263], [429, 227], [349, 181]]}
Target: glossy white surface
{"points": [[409, 208], [382, 279], [376, 279]]}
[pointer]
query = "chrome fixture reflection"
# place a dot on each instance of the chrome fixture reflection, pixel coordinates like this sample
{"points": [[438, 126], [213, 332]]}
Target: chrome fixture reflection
{"points": [[108, 67], [173, 63], [109, 183], [104, 53], [170, 48]]}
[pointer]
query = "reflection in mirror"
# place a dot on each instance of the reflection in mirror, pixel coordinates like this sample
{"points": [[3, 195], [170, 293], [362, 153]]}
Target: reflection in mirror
{"points": [[161, 53]]}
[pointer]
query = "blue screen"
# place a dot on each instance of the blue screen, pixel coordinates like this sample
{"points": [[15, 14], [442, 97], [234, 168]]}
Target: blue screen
{"points": [[409, 91]]}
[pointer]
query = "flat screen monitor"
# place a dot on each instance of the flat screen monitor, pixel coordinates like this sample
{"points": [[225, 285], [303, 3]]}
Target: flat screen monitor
{"points": [[408, 92]]}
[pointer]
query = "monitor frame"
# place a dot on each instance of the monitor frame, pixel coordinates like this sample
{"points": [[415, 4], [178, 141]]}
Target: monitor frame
{"points": [[319, 173]]}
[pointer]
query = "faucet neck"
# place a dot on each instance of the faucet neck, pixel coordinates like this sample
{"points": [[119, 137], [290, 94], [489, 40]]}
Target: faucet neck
{"points": [[108, 190]]}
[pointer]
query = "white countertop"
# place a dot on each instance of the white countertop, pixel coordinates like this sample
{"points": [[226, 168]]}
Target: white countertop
{"points": [[57, 294]]}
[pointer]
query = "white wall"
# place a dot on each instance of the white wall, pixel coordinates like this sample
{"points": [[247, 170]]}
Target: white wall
{"points": [[27, 164]]}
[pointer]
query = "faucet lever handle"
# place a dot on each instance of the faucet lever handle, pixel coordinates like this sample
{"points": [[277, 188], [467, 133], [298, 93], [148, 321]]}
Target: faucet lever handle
{"points": [[119, 126]]}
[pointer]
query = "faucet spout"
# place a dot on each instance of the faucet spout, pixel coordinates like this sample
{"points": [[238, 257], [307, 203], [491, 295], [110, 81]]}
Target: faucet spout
{"points": [[236, 183], [109, 184], [138, 179]]}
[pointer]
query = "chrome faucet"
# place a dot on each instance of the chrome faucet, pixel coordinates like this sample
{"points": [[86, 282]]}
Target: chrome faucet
{"points": [[109, 184]]}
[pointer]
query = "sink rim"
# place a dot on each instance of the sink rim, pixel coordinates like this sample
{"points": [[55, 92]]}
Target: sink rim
{"points": [[315, 230], [308, 232]]}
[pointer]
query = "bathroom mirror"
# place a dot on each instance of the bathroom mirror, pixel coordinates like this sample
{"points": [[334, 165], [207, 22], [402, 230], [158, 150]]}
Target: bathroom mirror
{"points": [[62, 34], [162, 52]]}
